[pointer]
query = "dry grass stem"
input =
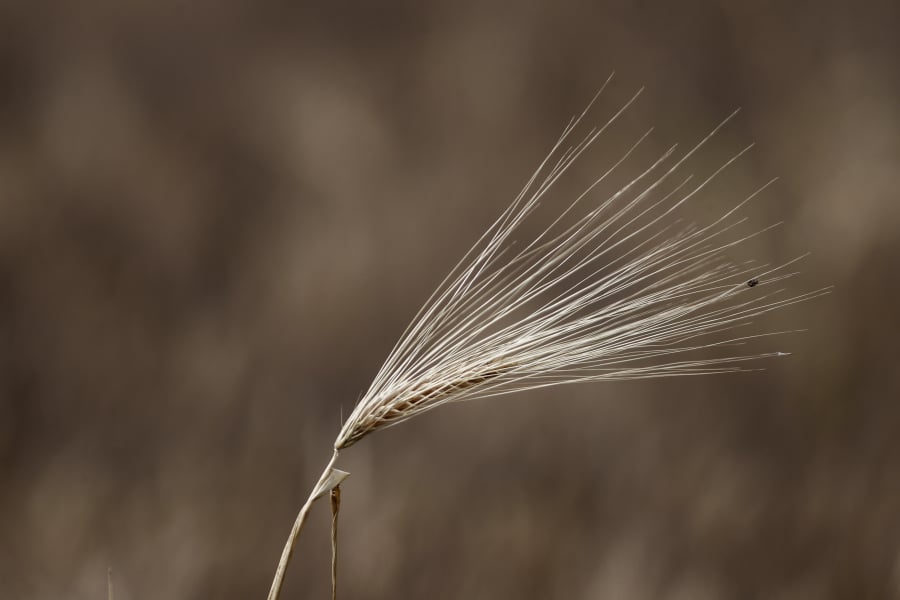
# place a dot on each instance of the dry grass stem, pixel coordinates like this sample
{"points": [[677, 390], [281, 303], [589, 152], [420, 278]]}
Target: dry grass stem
{"points": [[318, 490], [614, 288], [335, 509]]}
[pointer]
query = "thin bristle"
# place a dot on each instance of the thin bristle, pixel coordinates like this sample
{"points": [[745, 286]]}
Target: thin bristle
{"points": [[623, 292]]}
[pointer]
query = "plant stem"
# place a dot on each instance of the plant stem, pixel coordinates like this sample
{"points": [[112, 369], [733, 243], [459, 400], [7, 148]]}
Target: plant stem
{"points": [[335, 508], [295, 530]]}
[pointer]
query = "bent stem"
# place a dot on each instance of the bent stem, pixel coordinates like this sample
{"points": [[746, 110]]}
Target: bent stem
{"points": [[314, 495]]}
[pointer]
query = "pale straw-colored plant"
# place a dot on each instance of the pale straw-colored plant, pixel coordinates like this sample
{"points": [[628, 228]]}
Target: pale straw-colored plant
{"points": [[623, 291]]}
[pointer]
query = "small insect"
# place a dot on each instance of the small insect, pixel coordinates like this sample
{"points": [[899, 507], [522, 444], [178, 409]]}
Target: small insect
{"points": [[753, 283]]}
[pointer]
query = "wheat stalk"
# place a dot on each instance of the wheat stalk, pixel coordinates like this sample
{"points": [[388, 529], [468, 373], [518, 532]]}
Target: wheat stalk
{"points": [[624, 291]]}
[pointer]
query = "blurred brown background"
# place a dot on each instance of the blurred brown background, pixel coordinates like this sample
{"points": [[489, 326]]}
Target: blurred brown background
{"points": [[217, 217]]}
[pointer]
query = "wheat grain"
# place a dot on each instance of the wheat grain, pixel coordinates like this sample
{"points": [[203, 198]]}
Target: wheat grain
{"points": [[607, 297], [624, 291]]}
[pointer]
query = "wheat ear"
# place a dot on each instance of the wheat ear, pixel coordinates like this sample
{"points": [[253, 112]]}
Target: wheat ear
{"points": [[624, 291]]}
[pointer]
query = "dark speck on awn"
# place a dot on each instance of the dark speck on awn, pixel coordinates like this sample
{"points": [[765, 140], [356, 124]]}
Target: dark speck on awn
{"points": [[753, 283]]}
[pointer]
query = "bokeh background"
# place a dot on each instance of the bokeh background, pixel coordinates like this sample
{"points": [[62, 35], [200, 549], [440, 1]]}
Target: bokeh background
{"points": [[217, 217]]}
